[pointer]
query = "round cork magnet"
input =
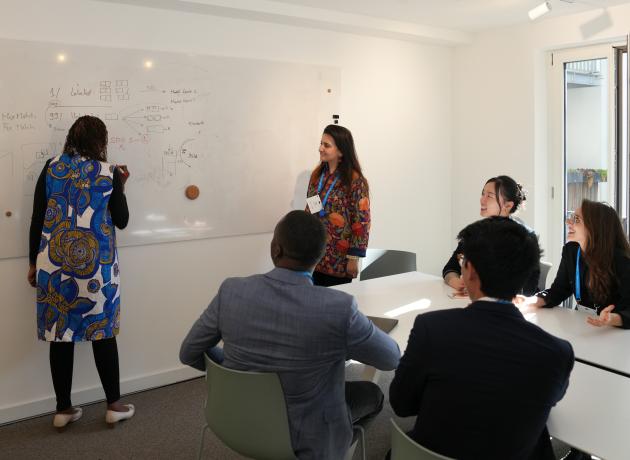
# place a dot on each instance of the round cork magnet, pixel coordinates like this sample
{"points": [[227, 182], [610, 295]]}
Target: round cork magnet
{"points": [[192, 192]]}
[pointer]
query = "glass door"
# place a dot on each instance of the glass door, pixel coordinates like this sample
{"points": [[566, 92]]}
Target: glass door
{"points": [[623, 165], [583, 160], [588, 162]]}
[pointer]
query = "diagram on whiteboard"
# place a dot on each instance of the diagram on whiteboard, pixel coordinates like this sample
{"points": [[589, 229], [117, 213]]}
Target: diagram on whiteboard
{"points": [[241, 130]]}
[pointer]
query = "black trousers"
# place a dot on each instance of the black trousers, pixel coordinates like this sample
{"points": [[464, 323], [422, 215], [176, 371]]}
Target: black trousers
{"points": [[322, 279], [62, 361], [364, 400]]}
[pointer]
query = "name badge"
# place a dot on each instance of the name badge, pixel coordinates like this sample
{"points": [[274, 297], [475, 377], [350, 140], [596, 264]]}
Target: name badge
{"points": [[314, 204]]}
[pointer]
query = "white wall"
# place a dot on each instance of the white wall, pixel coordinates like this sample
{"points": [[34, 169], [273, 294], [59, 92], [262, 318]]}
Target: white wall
{"points": [[500, 109], [395, 97]]}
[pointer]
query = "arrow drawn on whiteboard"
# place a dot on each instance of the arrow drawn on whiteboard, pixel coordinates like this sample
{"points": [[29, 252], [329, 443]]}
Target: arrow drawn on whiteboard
{"points": [[133, 128], [84, 106], [133, 113], [182, 150]]}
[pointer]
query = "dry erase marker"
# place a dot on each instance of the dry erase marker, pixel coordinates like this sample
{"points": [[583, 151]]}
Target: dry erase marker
{"points": [[123, 170]]}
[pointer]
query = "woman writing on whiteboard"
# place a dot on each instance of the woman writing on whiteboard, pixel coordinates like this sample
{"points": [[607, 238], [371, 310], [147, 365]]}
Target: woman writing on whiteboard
{"points": [[500, 196], [595, 267], [79, 198], [339, 194]]}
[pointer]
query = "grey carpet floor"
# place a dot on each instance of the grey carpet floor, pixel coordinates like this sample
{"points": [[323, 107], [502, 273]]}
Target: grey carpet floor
{"points": [[167, 425]]}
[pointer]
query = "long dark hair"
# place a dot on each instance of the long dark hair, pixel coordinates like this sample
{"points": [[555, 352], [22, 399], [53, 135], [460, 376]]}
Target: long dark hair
{"points": [[87, 137], [349, 163], [605, 237], [509, 190]]}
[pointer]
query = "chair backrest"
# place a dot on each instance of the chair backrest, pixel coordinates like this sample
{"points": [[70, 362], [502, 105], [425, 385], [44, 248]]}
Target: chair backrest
{"points": [[382, 262], [247, 412], [405, 448], [544, 271]]}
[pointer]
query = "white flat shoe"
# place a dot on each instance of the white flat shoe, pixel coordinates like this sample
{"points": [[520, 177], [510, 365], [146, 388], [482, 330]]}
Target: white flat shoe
{"points": [[112, 417], [61, 420]]}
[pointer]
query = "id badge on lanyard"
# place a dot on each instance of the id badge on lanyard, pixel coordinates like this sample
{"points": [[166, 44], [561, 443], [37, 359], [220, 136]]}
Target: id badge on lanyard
{"points": [[314, 203]]}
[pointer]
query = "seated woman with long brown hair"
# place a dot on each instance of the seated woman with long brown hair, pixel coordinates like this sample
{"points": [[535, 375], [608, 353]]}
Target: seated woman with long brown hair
{"points": [[595, 267]]}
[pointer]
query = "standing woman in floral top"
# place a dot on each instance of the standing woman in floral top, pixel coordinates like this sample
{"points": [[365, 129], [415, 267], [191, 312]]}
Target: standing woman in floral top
{"points": [[79, 198], [345, 207]]}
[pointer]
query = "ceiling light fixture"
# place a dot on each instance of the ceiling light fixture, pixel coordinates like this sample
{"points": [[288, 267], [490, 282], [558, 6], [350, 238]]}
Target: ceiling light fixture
{"points": [[540, 10]]}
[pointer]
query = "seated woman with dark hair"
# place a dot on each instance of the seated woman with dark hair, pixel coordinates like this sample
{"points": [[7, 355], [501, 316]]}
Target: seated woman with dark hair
{"points": [[501, 196], [595, 267]]}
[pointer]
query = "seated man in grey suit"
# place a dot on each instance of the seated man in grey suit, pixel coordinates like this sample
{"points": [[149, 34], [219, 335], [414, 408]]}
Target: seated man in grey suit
{"points": [[482, 380], [279, 322]]}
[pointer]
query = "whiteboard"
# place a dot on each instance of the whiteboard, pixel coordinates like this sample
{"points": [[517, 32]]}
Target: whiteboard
{"points": [[244, 131]]}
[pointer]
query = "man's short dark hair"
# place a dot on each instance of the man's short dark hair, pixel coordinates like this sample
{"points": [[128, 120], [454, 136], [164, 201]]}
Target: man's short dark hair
{"points": [[503, 252], [302, 237]]}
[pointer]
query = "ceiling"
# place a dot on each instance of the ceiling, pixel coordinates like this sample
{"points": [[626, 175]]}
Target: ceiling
{"points": [[448, 22], [464, 15]]}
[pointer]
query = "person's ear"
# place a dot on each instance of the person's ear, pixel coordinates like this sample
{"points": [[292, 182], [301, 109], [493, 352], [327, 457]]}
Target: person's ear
{"points": [[508, 205], [474, 276], [276, 250], [470, 274]]}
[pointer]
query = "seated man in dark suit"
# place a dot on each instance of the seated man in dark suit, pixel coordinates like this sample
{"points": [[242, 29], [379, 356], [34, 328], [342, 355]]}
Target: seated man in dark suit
{"points": [[279, 322], [482, 380]]}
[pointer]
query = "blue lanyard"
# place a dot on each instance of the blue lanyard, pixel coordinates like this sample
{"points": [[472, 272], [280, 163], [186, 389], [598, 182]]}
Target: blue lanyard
{"points": [[494, 299], [322, 213], [578, 288], [309, 275]]}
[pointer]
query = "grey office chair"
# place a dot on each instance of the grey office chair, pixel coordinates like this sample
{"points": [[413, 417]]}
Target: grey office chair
{"points": [[544, 271], [405, 448], [382, 262], [248, 413]]}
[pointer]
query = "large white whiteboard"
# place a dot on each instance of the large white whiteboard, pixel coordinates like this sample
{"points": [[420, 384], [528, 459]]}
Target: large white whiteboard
{"points": [[244, 131]]}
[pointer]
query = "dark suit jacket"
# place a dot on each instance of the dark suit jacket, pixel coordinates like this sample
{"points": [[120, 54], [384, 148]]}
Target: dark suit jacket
{"points": [[482, 381]]}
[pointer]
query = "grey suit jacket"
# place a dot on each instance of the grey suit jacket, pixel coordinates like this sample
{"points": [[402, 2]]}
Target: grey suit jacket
{"points": [[279, 322]]}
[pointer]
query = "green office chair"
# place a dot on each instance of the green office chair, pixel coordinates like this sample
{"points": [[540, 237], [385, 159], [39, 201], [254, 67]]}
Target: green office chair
{"points": [[544, 271], [405, 448], [386, 262], [247, 411]]}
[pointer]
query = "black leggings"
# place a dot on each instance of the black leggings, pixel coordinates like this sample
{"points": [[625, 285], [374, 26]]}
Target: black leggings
{"points": [[61, 363]]}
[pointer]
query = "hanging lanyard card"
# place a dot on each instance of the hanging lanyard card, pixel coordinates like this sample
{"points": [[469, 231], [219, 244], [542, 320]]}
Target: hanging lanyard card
{"points": [[314, 204]]}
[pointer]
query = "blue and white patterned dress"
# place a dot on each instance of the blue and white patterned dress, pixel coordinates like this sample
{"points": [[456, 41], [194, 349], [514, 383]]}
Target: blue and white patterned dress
{"points": [[78, 288]]}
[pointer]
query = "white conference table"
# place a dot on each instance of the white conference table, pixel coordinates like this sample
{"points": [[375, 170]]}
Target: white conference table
{"points": [[605, 347], [594, 415], [402, 297], [406, 295]]}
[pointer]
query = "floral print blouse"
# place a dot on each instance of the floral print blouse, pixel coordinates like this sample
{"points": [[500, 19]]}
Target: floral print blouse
{"points": [[347, 221]]}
